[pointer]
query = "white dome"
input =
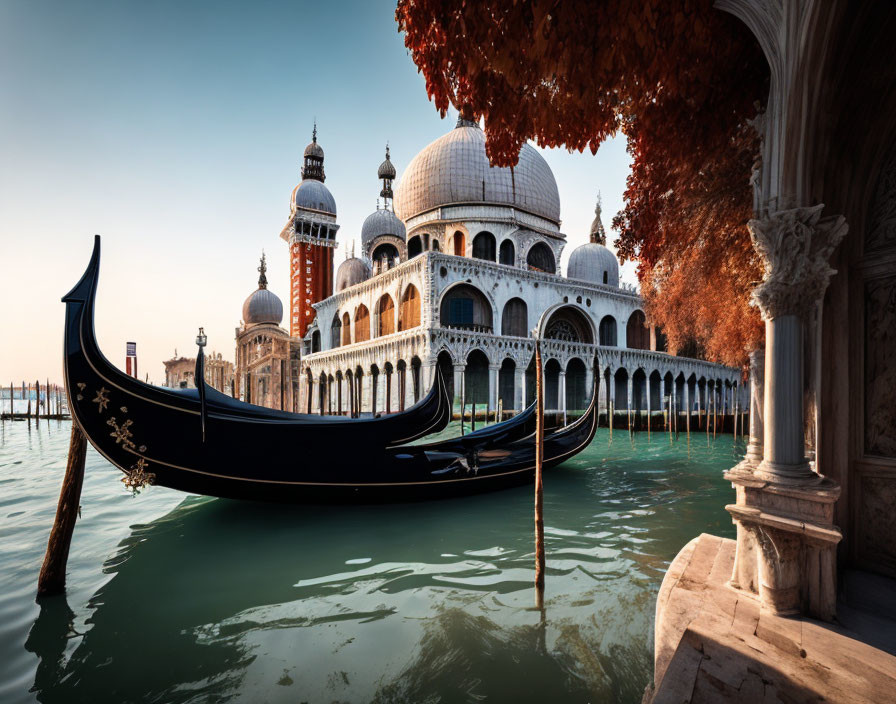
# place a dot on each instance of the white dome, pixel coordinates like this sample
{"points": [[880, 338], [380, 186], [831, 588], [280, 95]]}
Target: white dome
{"points": [[314, 195], [594, 263], [381, 222], [262, 306], [455, 169], [352, 271]]}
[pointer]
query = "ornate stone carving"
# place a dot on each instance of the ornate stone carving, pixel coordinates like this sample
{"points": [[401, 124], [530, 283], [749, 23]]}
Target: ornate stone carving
{"points": [[795, 246]]}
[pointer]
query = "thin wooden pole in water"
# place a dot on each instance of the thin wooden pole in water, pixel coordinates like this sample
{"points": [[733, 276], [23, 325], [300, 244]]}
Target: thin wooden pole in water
{"points": [[539, 485], [52, 574], [473, 418], [610, 419], [37, 405], [715, 415], [28, 412]]}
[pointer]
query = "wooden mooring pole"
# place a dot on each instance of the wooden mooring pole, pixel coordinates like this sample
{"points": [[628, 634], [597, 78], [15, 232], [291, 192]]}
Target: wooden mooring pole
{"points": [[539, 485], [52, 573]]}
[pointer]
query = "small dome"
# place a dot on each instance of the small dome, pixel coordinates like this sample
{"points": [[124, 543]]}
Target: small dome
{"points": [[314, 149], [387, 168], [594, 263], [262, 307], [314, 195], [381, 222], [352, 271]]}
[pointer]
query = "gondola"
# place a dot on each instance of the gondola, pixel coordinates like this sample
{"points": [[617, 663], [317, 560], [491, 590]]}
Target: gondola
{"points": [[201, 441]]}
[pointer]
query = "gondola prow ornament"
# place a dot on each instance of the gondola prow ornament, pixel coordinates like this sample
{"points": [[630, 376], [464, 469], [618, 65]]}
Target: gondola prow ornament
{"points": [[199, 376]]}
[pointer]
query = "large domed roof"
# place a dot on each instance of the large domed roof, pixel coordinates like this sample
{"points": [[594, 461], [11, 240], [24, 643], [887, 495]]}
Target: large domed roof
{"points": [[314, 195], [455, 169], [352, 271], [381, 222], [594, 263], [262, 306]]}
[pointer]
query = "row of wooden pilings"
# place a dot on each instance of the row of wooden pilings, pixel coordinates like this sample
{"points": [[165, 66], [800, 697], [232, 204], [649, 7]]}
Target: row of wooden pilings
{"points": [[50, 401]]}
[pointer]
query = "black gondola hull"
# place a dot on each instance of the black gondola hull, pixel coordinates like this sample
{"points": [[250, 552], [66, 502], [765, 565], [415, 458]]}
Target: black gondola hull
{"points": [[242, 451]]}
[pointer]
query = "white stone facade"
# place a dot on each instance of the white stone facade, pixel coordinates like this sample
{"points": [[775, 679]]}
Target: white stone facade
{"points": [[641, 377]]}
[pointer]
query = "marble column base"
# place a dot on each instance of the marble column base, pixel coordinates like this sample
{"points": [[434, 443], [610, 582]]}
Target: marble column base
{"points": [[786, 543], [787, 474]]}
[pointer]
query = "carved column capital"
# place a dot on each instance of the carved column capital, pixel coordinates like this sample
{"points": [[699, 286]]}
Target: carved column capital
{"points": [[795, 246]]}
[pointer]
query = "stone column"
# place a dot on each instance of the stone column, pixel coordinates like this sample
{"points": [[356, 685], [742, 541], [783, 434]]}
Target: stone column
{"points": [[663, 394], [493, 387], [458, 380], [753, 456], [519, 388], [629, 393], [647, 403], [784, 511], [561, 394]]}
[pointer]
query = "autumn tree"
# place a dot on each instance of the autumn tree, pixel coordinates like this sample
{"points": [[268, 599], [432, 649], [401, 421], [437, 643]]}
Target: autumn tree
{"points": [[681, 80]]}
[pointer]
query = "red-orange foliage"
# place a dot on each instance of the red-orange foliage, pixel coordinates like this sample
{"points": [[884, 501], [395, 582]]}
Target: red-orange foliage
{"points": [[679, 79]]}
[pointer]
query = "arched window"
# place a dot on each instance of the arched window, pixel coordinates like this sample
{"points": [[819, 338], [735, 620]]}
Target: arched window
{"points": [[336, 331], [606, 276], [409, 311], [637, 334], [576, 393], [315, 341], [541, 258], [460, 243], [484, 246], [435, 245], [384, 256], [476, 378], [415, 246], [466, 307], [346, 329], [506, 385], [659, 344], [607, 332], [508, 253], [515, 318], [569, 324], [552, 385], [362, 324], [385, 316]]}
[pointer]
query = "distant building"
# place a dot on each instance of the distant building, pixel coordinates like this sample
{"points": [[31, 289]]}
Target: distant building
{"points": [[180, 372], [267, 358]]}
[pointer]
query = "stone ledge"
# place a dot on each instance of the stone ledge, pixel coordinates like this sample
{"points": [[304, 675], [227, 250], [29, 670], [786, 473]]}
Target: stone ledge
{"points": [[714, 643]]}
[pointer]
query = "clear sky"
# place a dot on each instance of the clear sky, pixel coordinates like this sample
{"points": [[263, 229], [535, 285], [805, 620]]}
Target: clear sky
{"points": [[175, 130]]}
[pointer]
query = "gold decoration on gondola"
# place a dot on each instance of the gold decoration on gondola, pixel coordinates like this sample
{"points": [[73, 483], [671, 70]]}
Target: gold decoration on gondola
{"points": [[102, 398], [82, 385], [121, 433], [137, 478], [123, 409]]}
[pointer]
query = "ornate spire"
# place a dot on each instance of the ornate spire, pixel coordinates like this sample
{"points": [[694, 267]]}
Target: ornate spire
{"points": [[386, 173], [598, 234], [313, 165], [262, 272]]}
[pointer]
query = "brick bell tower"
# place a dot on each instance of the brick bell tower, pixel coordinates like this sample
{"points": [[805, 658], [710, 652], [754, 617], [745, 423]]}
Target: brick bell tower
{"points": [[310, 233]]}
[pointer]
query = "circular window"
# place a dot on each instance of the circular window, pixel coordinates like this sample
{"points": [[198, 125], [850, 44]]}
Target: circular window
{"points": [[443, 271], [588, 302], [566, 299]]}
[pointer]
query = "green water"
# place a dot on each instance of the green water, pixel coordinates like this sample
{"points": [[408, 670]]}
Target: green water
{"points": [[175, 598]]}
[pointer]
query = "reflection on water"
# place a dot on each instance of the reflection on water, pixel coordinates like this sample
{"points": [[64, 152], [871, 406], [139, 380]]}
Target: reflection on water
{"points": [[212, 600]]}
